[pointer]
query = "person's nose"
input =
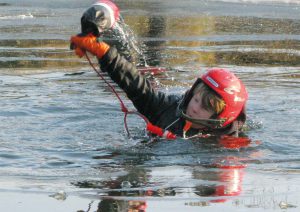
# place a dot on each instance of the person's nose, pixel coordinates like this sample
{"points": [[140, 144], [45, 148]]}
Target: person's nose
{"points": [[196, 109]]}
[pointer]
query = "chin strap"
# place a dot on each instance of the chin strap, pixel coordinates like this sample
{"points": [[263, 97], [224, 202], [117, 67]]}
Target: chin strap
{"points": [[210, 123]]}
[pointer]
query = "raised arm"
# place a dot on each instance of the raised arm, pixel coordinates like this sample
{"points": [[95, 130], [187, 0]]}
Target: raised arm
{"points": [[147, 101]]}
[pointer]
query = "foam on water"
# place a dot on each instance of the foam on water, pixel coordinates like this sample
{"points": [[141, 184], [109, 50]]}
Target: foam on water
{"points": [[10, 17]]}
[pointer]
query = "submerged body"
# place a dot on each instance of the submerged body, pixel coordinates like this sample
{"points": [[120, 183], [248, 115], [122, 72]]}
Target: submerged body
{"points": [[215, 104], [161, 109]]}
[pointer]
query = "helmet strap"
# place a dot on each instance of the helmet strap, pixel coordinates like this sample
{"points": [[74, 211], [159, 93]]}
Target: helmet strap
{"points": [[210, 123]]}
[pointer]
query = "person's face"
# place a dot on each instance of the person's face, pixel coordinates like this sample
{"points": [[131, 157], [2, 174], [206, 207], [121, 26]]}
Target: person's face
{"points": [[196, 111]]}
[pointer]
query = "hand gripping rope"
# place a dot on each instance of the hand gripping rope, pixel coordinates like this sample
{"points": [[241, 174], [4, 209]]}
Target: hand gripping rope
{"points": [[150, 127]]}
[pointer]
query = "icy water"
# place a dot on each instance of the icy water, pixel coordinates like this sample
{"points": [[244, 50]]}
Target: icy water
{"points": [[62, 129]]}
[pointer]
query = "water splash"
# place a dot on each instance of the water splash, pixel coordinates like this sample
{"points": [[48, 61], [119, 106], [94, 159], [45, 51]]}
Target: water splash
{"points": [[252, 124], [129, 41]]}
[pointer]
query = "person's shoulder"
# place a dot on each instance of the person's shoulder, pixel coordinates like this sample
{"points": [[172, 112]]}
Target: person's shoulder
{"points": [[174, 97], [168, 99]]}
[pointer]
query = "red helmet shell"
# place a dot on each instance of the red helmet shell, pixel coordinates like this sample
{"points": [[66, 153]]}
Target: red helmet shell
{"points": [[113, 10], [101, 16], [230, 88]]}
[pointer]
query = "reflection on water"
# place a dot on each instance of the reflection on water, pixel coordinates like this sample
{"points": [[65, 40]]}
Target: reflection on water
{"points": [[169, 41], [221, 184], [210, 183]]}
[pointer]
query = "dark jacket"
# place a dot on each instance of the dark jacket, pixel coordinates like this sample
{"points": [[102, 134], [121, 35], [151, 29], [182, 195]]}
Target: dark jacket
{"points": [[161, 109]]}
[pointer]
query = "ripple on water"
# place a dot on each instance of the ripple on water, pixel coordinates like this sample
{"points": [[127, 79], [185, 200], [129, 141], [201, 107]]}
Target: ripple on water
{"points": [[61, 128]]}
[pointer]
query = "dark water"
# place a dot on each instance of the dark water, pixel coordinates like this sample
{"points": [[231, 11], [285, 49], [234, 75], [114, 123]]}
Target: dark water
{"points": [[62, 129]]}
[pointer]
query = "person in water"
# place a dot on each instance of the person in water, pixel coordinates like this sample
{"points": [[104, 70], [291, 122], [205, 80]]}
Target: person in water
{"points": [[215, 104]]}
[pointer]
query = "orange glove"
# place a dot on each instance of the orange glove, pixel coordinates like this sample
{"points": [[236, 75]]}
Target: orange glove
{"points": [[89, 43]]}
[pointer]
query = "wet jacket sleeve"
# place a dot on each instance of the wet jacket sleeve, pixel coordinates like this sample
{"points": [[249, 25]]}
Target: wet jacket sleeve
{"points": [[147, 101]]}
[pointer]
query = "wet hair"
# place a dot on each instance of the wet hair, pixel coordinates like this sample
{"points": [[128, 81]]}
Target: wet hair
{"points": [[211, 101]]}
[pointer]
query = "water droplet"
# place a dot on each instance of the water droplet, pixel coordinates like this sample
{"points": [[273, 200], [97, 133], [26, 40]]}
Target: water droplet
{"points": [[126, 184], [285, 205], [60, 195]]}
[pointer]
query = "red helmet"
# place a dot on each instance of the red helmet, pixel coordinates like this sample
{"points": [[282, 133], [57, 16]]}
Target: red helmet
{"points": [[101, 16], [230, 88], [112, 9]]}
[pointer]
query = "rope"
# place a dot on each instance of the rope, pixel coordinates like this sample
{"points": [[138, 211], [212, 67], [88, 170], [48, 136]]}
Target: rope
{"points": [[150, 127], [123, 107]]}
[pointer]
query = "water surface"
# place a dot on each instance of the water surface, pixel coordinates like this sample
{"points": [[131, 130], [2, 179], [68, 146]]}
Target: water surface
{"points": [[62, 128]]}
